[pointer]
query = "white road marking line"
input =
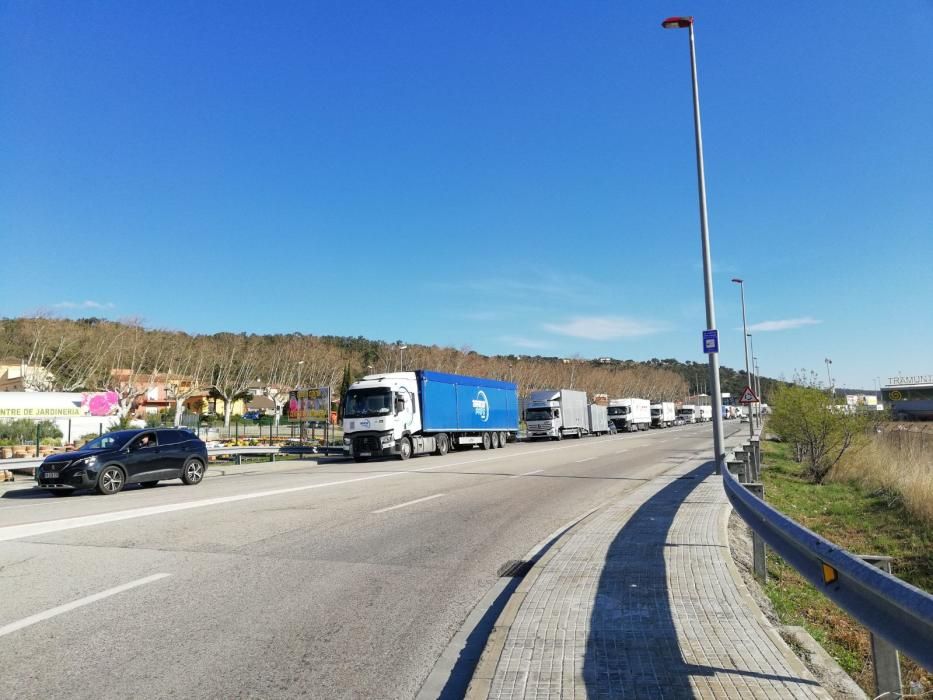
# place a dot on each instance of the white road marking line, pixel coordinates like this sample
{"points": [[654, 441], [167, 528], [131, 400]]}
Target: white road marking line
{"points": [[14, 532], [587, 459], [53, 612], [536, 471], [618, 452], [407, 503]]}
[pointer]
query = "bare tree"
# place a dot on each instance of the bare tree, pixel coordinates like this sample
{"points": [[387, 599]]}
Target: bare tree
{"points": [[235, 363], [185, 370]]}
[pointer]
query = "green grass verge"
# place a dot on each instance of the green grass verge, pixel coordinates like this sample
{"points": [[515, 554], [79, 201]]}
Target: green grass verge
{"points": [[862, 522]]}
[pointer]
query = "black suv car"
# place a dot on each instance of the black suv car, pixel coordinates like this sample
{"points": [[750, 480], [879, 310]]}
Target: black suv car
{"points": [[126, 457]]}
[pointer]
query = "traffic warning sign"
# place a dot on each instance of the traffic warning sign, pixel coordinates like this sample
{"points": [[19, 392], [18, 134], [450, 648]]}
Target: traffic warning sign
{"points": [[748, 396]]}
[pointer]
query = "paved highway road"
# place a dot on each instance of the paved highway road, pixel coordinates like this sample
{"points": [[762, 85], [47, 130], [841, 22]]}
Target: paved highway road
{"points": [[330, 580]]}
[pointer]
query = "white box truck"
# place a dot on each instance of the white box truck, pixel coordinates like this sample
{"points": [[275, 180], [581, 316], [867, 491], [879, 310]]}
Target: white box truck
{"points": [[555, 414], [688, 412], [662, 414], [630, 414], [598, 419], [705, 414]]}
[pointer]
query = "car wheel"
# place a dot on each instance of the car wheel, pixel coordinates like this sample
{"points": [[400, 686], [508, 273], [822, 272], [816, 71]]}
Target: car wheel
{"points": [[443, 445], [404, 448], [110, 481], [149, 484], [193, 472]]}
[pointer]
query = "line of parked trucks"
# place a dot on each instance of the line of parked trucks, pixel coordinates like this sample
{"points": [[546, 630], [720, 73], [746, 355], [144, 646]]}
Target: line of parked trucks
{"points": [[423, 412]]}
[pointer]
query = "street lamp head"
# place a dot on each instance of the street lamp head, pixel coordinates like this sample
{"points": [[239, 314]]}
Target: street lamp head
{"points": [[677, 22], [737, 280], [403, 347]]}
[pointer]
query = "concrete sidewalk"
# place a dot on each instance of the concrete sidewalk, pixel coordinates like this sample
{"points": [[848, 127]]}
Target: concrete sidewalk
{"points": [[641, 600]]}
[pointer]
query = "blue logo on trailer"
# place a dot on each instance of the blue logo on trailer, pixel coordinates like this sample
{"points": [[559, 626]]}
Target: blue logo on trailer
{"points": [[481, 405], [710, 341]]}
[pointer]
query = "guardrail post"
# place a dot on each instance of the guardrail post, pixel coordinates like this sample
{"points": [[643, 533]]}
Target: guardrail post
{"points": [[239, 458], [884, 656], [273, 457], [745, 455], [759, 553], [37, 438], [738, 468], [756, 457]]}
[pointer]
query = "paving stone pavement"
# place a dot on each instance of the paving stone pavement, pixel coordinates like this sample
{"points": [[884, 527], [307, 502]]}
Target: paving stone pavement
{"points": [[642, 600]]}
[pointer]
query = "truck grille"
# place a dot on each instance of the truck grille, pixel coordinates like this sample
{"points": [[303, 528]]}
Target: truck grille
{"points": [[369, 443]]}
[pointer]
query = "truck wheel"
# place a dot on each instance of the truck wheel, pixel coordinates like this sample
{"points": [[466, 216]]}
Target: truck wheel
{"points": [[503, 438], [560, 435], [487, 441], [404, 448], [494, 440], [579, 434], [443, 445]]}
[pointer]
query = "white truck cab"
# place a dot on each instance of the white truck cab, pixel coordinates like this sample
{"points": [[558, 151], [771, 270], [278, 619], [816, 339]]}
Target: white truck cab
{"points": [[382, 408]]}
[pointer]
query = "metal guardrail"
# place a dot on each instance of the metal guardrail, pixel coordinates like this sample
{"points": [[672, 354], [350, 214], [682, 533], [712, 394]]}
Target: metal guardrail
{"points": [[27, 463], [889, 607]]}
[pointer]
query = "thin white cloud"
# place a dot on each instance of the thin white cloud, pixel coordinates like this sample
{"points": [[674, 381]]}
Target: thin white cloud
{"points": [[88, 304], [784, 325], [604, 327], [522, 342]]}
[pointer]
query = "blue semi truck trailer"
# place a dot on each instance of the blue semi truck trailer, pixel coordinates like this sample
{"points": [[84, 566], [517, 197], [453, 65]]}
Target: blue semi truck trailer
{"points": [[423, 412]]}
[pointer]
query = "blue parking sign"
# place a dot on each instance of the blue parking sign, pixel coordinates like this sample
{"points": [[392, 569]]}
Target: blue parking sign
{"points": [[710, 341]]}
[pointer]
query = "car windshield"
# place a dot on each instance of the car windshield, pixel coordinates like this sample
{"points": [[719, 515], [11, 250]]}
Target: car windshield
{"points": [[111, 441], [363, 403], [619, 410], [538, 414]]}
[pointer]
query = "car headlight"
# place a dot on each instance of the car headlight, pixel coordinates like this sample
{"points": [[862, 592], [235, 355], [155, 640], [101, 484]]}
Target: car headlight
{"points": [[86, 462]]}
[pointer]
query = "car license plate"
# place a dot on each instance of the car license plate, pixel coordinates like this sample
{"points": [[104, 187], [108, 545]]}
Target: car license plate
{"points": [[366, 454], [49, 475]]}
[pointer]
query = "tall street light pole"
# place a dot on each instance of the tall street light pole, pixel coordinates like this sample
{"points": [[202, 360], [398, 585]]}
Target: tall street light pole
{"points": [[757, 387], [754, 384], [829, 378], [718, 454], [401, 348], [745, 336]]}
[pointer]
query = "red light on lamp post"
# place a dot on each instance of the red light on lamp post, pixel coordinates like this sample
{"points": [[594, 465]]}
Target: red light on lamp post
{"points": [[677, 22]]}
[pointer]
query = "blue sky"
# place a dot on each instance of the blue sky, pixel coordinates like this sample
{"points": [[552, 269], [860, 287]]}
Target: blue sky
{"points": [[516, 177]]}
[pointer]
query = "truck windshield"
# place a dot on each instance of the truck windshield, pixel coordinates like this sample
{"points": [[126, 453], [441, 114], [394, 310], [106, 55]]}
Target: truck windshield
{"points": [[363, 403], [685, 412], [619, 410], [538, 414], [655, 411]]}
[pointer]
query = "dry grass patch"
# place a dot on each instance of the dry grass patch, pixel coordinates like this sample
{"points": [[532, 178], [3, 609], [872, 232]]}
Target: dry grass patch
{"points": [[898, 464]]}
